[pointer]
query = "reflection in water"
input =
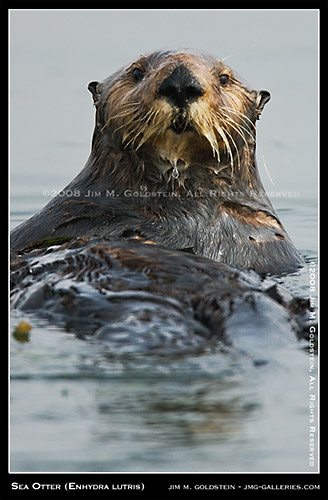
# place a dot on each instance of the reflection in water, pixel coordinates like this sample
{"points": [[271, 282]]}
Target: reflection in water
{"points": [[215, 411], [201, 414]]}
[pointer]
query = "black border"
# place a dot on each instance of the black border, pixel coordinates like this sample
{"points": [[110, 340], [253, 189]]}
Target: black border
{"points": [[159, 483]]}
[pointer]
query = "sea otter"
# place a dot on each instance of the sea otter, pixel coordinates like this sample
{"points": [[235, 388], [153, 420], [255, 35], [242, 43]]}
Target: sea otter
{"points": [[139, 297], [172, 161]]}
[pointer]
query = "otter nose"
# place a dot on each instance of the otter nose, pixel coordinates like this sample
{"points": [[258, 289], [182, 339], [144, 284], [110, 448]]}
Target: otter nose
{"points": [[180, 87]]}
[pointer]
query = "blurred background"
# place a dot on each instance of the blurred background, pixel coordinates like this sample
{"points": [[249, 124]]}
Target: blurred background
{"points": [[54, 54]]}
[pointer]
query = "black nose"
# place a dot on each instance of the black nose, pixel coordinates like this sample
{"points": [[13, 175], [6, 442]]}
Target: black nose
{"points": [[180, 87]]}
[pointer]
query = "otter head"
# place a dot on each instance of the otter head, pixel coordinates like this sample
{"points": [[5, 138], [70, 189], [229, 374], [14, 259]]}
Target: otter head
{"points": [[181, 109]]}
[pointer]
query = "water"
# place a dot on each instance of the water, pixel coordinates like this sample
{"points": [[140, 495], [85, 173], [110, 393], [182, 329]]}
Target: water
{"points": [[73, 406], [76, 408]]}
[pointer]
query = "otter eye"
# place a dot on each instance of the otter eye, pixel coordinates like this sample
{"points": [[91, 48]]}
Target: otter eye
{"points": [[224, 79], [137, 74]]}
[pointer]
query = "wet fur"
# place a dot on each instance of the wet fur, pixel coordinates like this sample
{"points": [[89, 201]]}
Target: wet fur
{"points": [[135, 150], [139, 297]]}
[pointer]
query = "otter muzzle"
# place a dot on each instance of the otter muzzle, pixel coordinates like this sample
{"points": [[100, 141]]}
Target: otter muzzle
{"points": [[180, 87]]}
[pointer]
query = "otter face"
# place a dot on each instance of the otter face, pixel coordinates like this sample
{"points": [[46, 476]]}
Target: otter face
{"points": [[180, 105]]}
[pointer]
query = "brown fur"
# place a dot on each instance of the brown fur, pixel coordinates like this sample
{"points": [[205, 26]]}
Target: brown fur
{"points": [[179, 149], [219, 118]]}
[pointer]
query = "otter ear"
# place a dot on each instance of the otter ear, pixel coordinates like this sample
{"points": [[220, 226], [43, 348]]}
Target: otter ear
{"points": [[94, 89], [263, 96]]}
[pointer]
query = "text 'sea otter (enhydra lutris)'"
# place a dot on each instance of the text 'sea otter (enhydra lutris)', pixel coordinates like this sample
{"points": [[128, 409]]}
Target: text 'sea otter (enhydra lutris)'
{"points": [[172, 161]]}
